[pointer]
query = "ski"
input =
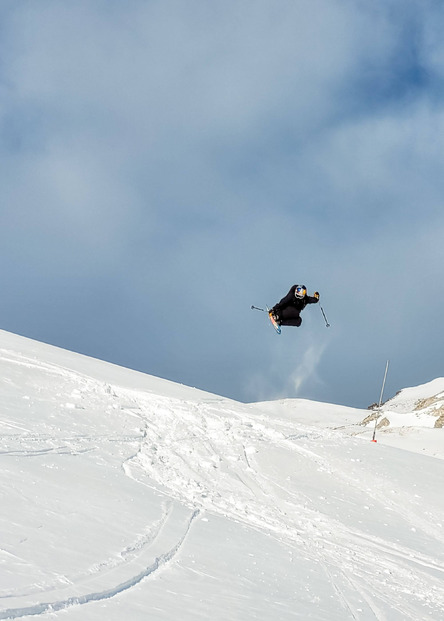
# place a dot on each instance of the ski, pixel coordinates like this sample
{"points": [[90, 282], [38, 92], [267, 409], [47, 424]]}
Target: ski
{"points": [[275, 325]]}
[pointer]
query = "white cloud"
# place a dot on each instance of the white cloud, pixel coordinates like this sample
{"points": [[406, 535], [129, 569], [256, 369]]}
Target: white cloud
{"points": [[219, 154]]}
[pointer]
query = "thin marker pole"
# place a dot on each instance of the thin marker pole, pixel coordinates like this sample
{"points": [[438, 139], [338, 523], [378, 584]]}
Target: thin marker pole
{"points": [[380, 400]]}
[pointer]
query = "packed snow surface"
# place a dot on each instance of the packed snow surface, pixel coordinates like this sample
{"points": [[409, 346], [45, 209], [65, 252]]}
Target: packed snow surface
{"points": [[124, 496]]}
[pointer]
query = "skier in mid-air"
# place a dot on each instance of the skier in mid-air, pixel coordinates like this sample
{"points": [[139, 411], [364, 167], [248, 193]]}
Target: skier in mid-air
{"points": [[287, 311]]}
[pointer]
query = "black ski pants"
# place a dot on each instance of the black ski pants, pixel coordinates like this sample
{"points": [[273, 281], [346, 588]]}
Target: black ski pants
{"points": [[289, 316]]}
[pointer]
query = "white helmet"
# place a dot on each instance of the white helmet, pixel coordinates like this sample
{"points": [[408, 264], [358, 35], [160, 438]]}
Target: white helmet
{"points": [[300, 291]]}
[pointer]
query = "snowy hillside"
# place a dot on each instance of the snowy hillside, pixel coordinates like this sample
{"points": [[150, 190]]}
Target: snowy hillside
{"points": [[124, 496]]}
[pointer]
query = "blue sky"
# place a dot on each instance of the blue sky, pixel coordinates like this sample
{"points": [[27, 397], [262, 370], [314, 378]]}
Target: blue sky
{"points": [[166, 164]]}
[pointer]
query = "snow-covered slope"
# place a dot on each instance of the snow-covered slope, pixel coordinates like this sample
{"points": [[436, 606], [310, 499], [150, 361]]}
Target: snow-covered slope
{"points": [[424, 405], [410, 420], [127, 496]]}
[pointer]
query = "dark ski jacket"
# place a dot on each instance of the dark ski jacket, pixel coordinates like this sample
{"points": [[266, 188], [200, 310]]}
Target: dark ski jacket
{"points": [[291, 300]]}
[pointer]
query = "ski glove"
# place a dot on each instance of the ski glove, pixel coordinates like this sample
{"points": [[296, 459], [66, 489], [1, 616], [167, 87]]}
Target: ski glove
{"points": [[316, 295]]}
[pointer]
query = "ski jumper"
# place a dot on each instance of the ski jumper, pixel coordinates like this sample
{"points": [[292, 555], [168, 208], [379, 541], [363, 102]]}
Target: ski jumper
{"points": [[289, 308]]}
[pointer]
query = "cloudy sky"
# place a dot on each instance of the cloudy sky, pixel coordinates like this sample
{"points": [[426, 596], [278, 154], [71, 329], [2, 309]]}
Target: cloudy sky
{"points": [[165, 164]]}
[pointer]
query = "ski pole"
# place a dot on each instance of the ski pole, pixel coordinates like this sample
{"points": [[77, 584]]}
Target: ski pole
{"points": [[257, 308], [325, 318]]}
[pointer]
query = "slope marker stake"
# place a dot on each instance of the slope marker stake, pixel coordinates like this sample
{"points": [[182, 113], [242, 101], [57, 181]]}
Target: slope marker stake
{"points": [[380, 401]]}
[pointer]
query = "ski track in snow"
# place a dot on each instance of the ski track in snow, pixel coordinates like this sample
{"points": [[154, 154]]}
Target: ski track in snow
{"points": [[158, 563], [208, 456], [12, 444], [126, 555], [192, 440]]}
